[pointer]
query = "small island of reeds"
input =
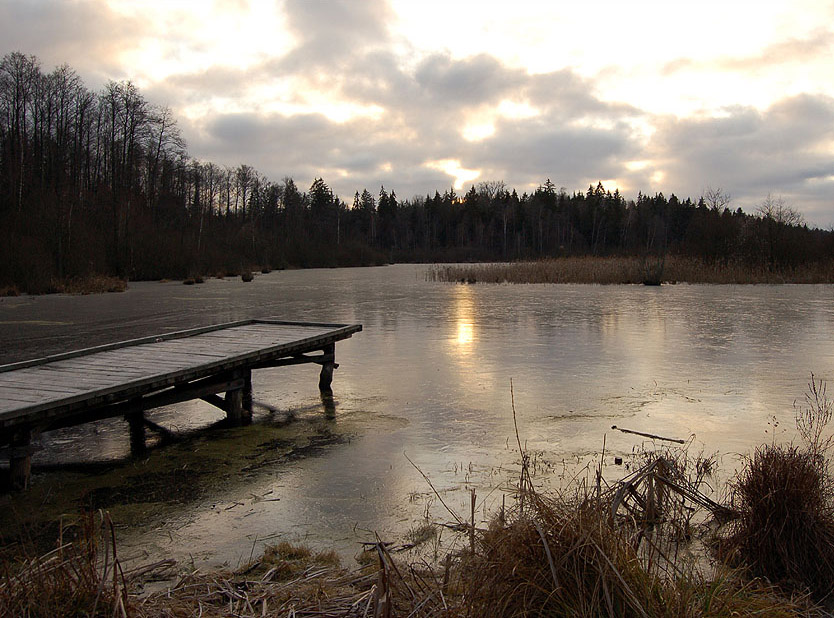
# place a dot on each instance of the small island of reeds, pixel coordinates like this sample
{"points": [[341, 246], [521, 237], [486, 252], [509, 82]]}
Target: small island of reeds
{"points": [[629, 270]]}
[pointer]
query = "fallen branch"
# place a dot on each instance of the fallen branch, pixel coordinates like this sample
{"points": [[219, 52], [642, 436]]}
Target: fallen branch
{"points": [[648, 435]]}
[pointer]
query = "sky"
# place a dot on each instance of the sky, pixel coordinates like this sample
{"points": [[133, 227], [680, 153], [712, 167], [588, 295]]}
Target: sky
{"points": [[645, 95]]}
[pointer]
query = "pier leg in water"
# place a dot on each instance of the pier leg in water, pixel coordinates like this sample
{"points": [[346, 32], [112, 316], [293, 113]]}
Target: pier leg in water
{"points": [[329, 405], [236, 401], [136, 422], [247, 393], [20, 461], [327, 367]]}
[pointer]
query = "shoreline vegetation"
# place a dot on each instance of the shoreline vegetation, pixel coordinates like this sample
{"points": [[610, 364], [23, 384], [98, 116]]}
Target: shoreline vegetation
{"points": [[89, 284], [652, 544], [578, 270], [629, 270]]}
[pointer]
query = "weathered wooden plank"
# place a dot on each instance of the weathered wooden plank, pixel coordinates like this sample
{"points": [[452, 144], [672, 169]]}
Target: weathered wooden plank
{"points": [[121, 344], [87, 377], [51, 387], [49, 372], [19, 396]]}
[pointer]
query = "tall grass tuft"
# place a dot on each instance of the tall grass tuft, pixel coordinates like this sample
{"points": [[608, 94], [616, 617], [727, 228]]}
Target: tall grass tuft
{"points": [[560, 559], [82, 577], [785, 529], [785, 499]]}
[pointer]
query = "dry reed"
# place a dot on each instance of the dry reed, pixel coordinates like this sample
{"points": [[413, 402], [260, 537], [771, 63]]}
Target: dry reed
{"points": [[92, 284], [785, 499], [82, 577], [626, 270]]}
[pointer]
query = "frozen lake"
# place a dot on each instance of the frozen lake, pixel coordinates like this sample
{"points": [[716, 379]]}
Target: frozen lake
{"points": [[429, 379]]}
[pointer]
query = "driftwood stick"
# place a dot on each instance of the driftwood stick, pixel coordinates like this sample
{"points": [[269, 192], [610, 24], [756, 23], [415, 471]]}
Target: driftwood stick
{"points": [[648, 435]]}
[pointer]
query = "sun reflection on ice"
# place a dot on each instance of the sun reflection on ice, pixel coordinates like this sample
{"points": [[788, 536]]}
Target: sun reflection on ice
{"points": [[464, 316], [466, 334]]}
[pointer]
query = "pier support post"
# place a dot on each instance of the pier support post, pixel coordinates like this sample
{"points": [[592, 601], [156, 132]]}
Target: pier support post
{"points": [[20, 460], [247, 393], [327, 367], [136, 422], [238, 402]]}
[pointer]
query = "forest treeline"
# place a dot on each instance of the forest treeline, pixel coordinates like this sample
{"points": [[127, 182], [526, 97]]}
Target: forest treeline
{"points": [[101, 183]]}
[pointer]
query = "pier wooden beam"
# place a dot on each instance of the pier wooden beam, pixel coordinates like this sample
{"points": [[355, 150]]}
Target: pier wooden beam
{"points": [[328, 364], [247, 392], [20, 459], [238, 401], [234, 406], [136, 422]]}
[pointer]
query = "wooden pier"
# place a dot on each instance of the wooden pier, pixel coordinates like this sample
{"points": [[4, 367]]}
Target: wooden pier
{"points": [[130, 377]]}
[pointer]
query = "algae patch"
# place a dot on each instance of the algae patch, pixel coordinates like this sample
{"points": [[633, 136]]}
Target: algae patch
{"points": [[173, 480]]}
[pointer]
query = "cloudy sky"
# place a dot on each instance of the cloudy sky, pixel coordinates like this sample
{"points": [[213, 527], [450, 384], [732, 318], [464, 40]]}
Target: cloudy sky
{"points": [[418, 95]]}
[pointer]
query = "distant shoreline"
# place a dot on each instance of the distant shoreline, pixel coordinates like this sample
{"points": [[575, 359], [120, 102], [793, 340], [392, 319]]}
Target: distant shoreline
{"points": [[576, 270]]}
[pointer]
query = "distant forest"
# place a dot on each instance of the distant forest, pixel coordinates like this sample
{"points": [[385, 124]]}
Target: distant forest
{"points": [[101, 183]]}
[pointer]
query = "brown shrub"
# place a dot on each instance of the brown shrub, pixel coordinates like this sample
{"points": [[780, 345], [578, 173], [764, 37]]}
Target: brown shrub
{"points": [[785, 529], [784, 496]]}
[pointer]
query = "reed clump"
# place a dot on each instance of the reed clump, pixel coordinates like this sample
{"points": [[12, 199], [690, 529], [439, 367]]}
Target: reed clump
{"points": [[621, 550], [93, 284], [560, 559], [628, 270], [81, 577], [567, 559], [785, 529], [784, 497]]}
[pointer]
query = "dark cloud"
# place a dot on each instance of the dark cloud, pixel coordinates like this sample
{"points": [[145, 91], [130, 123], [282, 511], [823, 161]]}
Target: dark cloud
{"points": [[537, 149], [424, 111], [471, 81], [330, 33]]}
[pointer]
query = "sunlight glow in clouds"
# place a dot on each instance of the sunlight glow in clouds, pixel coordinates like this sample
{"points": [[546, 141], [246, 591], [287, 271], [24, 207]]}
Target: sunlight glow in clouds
{"points": [[225, 33], [481, 124], [453, 168]]}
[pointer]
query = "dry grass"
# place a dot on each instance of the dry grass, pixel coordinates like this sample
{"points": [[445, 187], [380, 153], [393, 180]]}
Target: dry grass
{"points": [[583, 555], [574, 560], [625, 270], [81, 577], [93, 284], [785, 531], [288, 580], [785, 499]]}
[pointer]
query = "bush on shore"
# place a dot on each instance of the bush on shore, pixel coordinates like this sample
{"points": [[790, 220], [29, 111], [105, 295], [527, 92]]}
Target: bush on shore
{"points": [[784, 497]]}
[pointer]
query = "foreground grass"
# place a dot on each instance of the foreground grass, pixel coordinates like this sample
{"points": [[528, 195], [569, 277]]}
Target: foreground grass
{"points": [[625, 270], [553, 556], [592, 550]]}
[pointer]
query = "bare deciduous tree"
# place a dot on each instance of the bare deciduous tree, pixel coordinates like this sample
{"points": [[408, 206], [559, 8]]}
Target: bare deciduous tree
{"points": [[777, 210], [716, 198]]}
